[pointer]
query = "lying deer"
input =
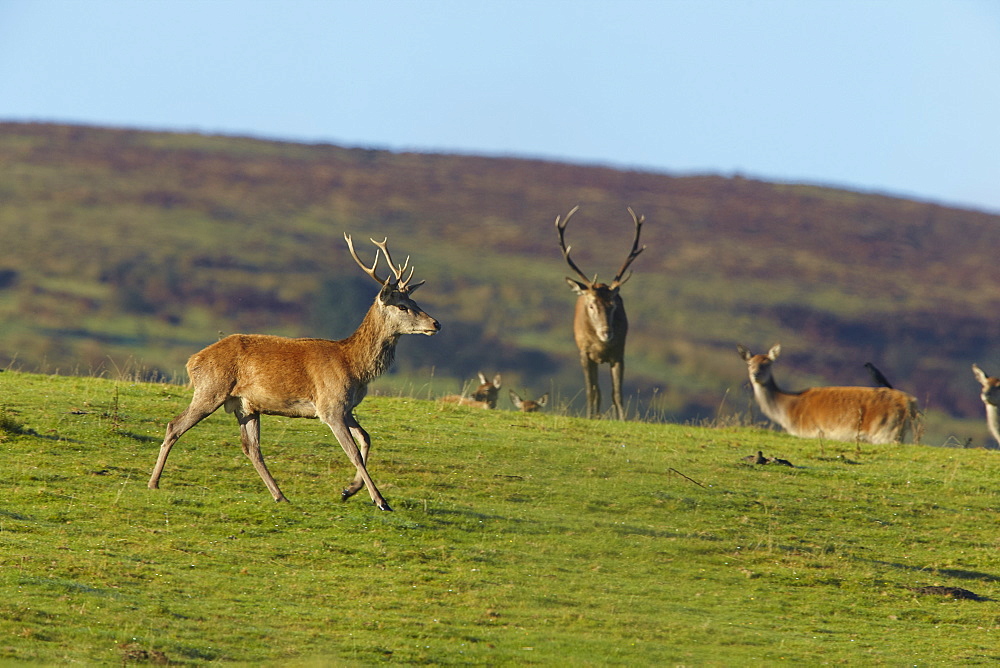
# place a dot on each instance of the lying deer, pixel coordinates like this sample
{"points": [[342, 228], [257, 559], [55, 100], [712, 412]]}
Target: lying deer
{"points": [[251, 374], [872, 414], [990, 395], [528, 405], [485, 395]]}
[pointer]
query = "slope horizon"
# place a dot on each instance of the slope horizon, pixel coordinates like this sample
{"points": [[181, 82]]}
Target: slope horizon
{"points": [[132, 247]]}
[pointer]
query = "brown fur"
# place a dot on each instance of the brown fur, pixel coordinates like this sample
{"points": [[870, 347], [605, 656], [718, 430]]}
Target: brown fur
{"points": [[485, 396], [990, 394], [874, 415], [254, 374], [599, 322], [528, 405]]}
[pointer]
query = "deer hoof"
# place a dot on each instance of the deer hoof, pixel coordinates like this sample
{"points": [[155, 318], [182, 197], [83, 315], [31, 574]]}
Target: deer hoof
{"points": [[345, 495], [384, 506]]}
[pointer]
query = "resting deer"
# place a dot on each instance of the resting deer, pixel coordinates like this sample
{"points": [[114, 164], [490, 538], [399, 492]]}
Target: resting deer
{"points": [[485, 395], [991, 398], [871, 414], [251, 374], [528, 405], [599, 322]]}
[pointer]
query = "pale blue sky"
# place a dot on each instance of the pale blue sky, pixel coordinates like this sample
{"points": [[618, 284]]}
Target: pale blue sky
{"points": [[895, 96]]}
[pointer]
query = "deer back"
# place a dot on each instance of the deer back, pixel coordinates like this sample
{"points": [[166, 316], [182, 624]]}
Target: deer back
{"points": [[275, 375], [875, 415]]}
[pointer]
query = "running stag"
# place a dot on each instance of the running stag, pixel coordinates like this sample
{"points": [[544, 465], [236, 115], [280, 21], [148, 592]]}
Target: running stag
{"points": [[251, 374]]}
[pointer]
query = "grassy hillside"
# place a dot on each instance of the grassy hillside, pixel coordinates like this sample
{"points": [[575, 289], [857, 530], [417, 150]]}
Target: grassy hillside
{"points": [[539, 539], [131, 250]]}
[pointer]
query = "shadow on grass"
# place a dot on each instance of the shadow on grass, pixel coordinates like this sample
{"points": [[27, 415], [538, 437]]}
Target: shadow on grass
{"points": [[141, 438], [947, 572]]}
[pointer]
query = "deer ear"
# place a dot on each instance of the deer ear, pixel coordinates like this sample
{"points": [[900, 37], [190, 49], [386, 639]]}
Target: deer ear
{"points": [[979, 373], [542, 400], [514, 399], [389, 294], [774, 351], [577, 287]]}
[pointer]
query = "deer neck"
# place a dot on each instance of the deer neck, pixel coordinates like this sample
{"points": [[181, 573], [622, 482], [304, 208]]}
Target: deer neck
{"points": [[372, 346], [993, 420], [772, 401]]}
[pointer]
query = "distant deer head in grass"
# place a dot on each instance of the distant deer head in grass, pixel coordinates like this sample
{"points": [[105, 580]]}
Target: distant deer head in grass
{"points": [[528, 405], [484, 396]]}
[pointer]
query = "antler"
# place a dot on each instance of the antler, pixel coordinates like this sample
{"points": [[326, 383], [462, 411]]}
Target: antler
{"points": [[401, 284], [633, 254], [561, 226]]}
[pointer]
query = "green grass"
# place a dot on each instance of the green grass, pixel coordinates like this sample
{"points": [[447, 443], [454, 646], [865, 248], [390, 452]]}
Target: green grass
{"points": [[537, 539]]}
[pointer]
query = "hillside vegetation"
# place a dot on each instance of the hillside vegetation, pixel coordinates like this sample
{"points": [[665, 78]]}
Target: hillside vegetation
{"points": [[131, 250], [517, 539]]}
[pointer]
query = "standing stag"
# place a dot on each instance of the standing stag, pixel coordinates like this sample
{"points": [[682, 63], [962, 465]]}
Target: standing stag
{"points": [[871, 414], [485, 396], [251, 374], [991, 398], [599, 322]]}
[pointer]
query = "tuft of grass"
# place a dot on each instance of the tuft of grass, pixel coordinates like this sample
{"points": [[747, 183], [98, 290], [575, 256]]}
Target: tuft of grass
{"points": [[541, 538], [9, 424]]}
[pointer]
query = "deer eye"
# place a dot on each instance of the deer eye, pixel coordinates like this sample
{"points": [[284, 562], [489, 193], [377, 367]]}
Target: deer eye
{"points": [[403, 308]]}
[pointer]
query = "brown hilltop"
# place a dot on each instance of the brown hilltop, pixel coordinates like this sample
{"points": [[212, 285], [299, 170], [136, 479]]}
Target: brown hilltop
{"points": [[128, 244]]}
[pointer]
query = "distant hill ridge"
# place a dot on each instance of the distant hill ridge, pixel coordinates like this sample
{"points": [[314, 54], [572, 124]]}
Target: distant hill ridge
{"points": [[128, 247]]}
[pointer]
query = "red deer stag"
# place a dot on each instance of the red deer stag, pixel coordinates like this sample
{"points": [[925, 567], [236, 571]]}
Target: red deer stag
{"points": [[991, 398], [251, 374], [485, 395], [599, 322], [871, 414], [528, 405]]}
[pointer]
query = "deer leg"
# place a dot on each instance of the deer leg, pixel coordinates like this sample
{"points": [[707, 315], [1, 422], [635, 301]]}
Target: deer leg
{"points": [[343, 434], [593, 388], [250, 439], [364, 442], [617, 374], [189, 417]]}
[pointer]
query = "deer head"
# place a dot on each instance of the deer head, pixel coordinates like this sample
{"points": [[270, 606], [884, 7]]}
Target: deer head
{"points": [[990, 387], [759, 366], [600, 301], [528, 405], [401, 314]]}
